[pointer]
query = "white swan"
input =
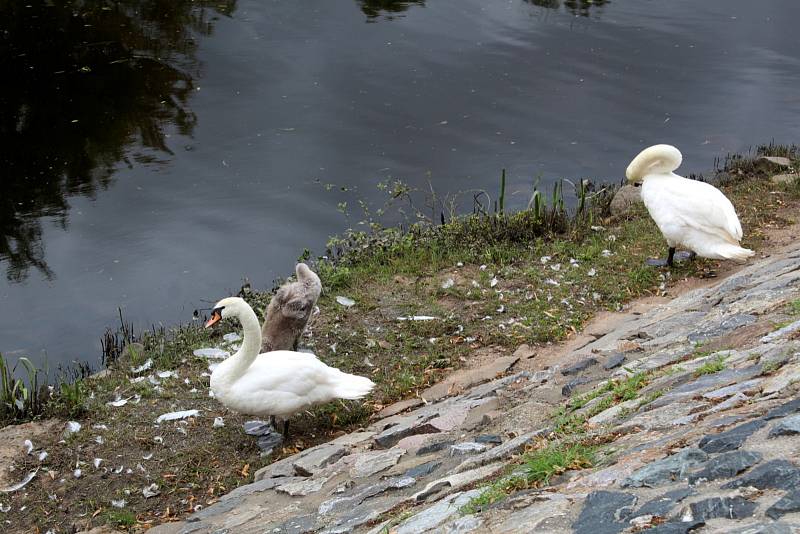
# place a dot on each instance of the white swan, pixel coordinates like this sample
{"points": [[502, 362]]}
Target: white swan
{"points": [[688, 212], [280, 383]]}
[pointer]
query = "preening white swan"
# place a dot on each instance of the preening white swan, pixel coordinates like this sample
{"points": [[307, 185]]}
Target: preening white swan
{"points": [[693, 214], [280, 383]]}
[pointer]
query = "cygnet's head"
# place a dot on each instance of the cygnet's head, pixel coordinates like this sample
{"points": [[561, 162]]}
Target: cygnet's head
{"points": [[225, 308]]}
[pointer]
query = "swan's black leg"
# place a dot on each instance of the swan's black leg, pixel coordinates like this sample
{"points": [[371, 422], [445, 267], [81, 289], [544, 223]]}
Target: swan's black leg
{"points": [[652, 262], [286, 428], [273, 423]]}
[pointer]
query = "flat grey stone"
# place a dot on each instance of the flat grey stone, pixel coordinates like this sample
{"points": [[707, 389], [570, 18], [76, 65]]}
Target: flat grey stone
{"points": [[665, 471], [569, 387], [368, 463], [302, 487], [337, 505], [661, 506], [728, 324], [434, 447], [728, 391], [494, 439], [605, 512], [777, 474], [579, 367], [730, 439], [614, 360], [314, 459], [781, 332], [470, 447], [727, 507], [767, 528], [410, 426], [783, 410], [463, 525], [437, 514], [423, 470], [790, 426], [726, 465], [787, 504], [508, 448]]}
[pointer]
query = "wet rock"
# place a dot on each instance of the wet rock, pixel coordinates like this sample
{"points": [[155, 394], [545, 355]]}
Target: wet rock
{"points": [[569, 387], [422, 470], [787, 504], [605, 512], [777, 474], [788, 427], [369, 463], [462, 449], [783, 410], [489, 438], [675, 467], [579, 367], [727, 507], [432, 517], [725, 465], [730, 439], [339, 504], [661, 506], [315, 459], [626, 196], [614, 360]]}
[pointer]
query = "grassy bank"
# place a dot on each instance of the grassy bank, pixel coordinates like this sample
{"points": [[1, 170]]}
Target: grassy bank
{"points": [[490, 282]]}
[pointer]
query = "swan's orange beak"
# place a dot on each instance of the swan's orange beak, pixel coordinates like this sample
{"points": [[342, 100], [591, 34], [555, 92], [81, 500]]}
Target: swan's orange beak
{"points": [[216, 317]]}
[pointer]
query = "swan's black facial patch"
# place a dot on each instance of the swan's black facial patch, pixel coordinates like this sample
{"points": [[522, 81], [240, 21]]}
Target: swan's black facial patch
{"points": [[218, 310]]}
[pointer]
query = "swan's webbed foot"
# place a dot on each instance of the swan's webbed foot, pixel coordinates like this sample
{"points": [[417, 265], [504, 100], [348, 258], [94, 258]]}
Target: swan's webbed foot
{"points": [[685, 255]]}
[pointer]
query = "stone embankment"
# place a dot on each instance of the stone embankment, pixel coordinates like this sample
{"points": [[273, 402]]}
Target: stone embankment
{"points": [[710, 443]]}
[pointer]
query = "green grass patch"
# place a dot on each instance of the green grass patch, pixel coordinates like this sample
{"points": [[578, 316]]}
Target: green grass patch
{"points": [[537, 468], [710, 367]]}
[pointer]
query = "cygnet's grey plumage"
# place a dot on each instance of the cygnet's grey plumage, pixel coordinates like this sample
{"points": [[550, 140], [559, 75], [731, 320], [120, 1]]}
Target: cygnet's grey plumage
{"points": [[289, 310]]}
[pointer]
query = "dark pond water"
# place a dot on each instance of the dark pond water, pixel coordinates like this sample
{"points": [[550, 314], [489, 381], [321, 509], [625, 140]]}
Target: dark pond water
{"points": [[156, 152]]}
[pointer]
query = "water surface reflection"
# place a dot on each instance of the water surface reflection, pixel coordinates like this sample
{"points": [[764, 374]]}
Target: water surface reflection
{"points": [[94, 84]]}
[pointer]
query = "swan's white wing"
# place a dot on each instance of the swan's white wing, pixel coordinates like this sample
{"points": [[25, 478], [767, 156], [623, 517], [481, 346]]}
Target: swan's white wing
{"points": [[698, 205]]}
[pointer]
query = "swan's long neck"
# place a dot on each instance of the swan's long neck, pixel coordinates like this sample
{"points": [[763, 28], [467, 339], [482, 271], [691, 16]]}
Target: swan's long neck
{"points": [[657, 159], [251, 345]]}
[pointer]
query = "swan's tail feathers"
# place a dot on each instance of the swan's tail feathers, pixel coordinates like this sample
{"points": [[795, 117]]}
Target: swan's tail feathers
{"points": [[734, 252], [656, 159], [353, 387]]}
